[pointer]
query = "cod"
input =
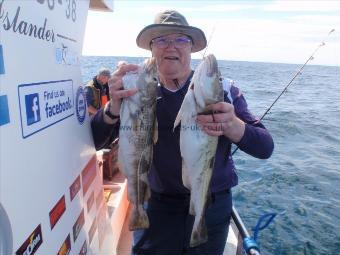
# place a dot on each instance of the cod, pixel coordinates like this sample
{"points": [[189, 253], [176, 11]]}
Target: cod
{"points": [[198, 148], [137, 134]]}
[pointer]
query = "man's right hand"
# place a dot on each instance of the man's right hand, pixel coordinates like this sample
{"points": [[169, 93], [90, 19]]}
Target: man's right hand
{"points": [[116, 90]]}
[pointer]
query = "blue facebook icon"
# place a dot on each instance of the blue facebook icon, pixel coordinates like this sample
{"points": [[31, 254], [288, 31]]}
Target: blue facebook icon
{"points": [[32, 108]]}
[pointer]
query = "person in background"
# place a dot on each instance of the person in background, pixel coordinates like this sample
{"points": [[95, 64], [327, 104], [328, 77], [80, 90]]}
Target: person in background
{"points": [[97, 91], [171, 41]]}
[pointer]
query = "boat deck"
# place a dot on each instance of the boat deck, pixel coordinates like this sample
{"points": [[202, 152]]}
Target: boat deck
{"points": [[119, 238]]}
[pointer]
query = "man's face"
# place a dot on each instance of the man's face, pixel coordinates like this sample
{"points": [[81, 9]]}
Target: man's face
{"points": [[103, 79], [173, 55]]}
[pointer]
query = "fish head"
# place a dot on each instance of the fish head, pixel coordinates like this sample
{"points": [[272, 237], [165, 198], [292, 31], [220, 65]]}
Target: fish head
{"points": [[207, 82]]}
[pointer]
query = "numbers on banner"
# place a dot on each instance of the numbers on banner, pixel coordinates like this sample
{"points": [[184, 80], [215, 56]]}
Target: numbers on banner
{"points": [[71, 7]]}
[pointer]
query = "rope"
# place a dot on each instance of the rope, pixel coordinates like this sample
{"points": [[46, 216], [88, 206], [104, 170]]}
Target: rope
{"points": [[267, 219]]}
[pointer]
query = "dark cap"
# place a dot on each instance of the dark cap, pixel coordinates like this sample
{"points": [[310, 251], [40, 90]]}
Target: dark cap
{"points": [[105, 72]]}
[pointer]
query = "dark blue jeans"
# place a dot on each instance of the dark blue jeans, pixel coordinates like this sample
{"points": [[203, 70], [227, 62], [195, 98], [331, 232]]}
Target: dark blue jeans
{"points": [[171, 225]]}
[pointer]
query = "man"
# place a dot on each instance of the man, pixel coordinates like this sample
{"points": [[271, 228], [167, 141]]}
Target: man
{"points": [[97, 91], [171, 41]]}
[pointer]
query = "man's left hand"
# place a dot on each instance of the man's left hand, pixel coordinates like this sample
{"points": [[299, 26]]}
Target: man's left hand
{"points": [[222, 121]]}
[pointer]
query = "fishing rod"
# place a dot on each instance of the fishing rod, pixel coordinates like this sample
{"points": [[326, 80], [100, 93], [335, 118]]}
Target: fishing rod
{"points": [[299, 72], [209, 40], [203, 55], [249, 244]]}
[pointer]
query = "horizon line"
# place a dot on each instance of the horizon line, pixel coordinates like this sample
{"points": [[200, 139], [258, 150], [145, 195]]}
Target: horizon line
{"points": [[231, 60]]}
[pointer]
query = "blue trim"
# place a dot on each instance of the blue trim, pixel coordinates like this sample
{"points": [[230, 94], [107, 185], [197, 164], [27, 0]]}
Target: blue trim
{"points": [[2, 64], [4, 112], [249, 243]]}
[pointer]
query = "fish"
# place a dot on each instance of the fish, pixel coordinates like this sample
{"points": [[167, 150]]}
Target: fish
{"points": [[197, 148], [137, 134]]}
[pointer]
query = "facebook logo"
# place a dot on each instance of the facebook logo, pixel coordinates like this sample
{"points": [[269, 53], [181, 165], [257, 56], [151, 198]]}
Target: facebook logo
{"points": [[32, 108]]}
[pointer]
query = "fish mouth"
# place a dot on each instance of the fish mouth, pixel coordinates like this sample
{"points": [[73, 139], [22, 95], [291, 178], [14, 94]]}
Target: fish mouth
{"points": [[212, 65]]}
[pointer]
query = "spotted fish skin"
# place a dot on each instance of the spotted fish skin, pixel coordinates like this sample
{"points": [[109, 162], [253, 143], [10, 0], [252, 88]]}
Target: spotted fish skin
{"points": [[137, 134], [198, 149]]}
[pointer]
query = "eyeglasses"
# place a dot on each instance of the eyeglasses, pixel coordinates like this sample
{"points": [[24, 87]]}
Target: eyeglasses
{"points": [[179, 42]]}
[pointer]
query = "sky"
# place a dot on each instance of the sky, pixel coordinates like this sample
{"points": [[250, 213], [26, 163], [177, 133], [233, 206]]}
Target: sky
{"points": [[266, 31]]}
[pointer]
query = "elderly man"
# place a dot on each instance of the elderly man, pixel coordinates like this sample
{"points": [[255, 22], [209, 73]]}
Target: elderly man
{"points": [[171, 41], [97, 91]]}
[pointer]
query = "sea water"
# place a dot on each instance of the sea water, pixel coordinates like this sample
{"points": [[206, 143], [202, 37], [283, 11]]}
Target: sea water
{"points": [[301, 180]]}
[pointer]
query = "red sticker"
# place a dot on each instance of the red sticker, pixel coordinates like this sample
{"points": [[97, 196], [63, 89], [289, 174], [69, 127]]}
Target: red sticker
{"points": [[88, 174], [57, 211], [90, 201], [75, 187]]}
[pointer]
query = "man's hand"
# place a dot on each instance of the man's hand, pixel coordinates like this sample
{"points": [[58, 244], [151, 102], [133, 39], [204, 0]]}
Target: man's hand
{"points": [[222, 121], [116, 87]]}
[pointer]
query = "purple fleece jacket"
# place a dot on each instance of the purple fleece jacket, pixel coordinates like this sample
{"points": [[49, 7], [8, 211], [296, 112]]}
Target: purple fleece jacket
{"points": [[165, 176]]}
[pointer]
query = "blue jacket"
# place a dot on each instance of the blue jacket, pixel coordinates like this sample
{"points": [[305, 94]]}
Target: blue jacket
{"points": [[166, 173]]}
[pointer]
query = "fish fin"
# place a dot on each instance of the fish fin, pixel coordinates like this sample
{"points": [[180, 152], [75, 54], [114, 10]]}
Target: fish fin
{"points": [[147, 192], [188, 109], [212, 163], [178, 119], [192, 208], [185, 177], [155, 132], [144, 163], [138, 218], [199, 234], [144, 177], [130, 194], [186, 106], [120, 161]]}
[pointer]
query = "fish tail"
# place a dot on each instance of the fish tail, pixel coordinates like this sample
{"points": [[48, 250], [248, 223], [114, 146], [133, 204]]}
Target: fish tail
{"points": [[199, 233], [139, 219]]}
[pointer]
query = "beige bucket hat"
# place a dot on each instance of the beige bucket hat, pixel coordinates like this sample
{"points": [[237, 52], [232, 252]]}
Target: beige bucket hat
{"points": [[169, 22]]}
